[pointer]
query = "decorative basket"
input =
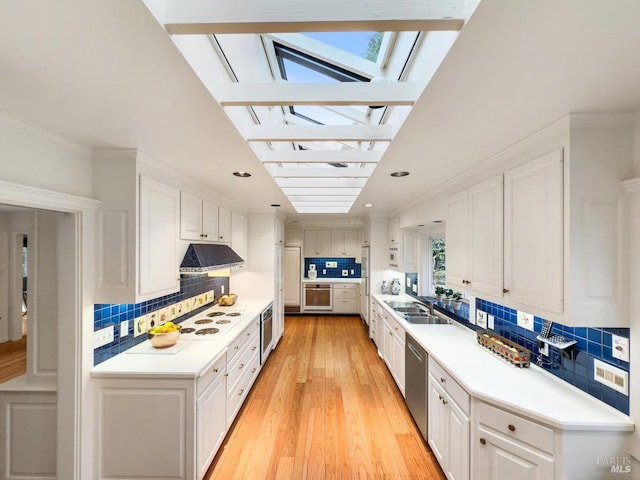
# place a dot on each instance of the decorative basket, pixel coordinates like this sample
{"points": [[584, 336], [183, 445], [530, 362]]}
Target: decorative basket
{"points": [[507, 349]]}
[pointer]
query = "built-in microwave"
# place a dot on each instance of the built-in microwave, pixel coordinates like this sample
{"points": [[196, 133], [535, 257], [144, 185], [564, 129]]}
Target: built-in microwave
{"points": [[393, 257]]}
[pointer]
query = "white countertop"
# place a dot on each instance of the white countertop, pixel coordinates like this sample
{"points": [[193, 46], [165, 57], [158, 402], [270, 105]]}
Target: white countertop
{"points": [[186, 359], [532, 391], [331, 280]]}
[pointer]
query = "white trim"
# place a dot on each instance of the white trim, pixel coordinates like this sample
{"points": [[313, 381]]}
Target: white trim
{"points": [[318, 133], [32, 197]]}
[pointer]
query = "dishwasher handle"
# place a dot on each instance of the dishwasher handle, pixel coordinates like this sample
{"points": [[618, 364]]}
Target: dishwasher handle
{"points": [[419, 355]]}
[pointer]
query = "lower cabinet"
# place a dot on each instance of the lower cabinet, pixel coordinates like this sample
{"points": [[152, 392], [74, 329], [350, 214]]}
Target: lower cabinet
{"points": [[168, 427], [510, 446], [393, 349], [345, 298], [448, 423]]}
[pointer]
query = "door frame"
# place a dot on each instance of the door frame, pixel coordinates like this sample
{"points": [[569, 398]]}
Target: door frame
{"points": [[76, 239]]}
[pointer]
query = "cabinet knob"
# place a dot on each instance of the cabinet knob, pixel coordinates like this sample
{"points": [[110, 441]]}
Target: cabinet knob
{"points": [[241, 366], [215, 370], [442, 379], [444, 401], [226, 374], [236, 347], [505, 290], [483, 441], [241, 391], [205, 235], [439, 397], [511, 428]]}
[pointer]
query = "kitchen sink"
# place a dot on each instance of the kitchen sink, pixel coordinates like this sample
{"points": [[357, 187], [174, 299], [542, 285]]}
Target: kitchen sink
{"points": [[425, 319], [410, 310]]}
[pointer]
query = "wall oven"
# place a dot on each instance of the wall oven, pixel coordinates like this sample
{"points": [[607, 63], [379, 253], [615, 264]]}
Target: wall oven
{"points": [[266, 333], [317, 297]]}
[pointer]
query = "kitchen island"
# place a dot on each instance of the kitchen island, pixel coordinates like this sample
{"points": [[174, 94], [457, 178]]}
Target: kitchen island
{"points": [[503, 412], [163, 413]]}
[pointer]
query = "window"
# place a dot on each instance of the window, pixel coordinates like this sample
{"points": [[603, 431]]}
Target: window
{"points": [[438, 257]]}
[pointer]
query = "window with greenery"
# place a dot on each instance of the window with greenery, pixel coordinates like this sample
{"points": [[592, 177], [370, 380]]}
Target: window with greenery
{"points": [[438, 257]]}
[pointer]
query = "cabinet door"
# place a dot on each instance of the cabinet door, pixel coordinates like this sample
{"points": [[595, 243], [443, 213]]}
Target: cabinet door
{"points": [[324, 243], [224, 225], [457, 442], [499, 457], [533, 242], [437, 421], [279, 231], [190, 217], [457, 240], [394, 231], [397, 345], [211, 424], [278, 299], [159, 220], [209, 221], [352, 242], [485, 223], [387, 348], [311, 244], [408, 253], [338, 246]]}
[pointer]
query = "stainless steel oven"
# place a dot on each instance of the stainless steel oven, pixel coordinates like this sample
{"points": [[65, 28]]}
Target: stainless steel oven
{"points": [[317, 297], [266, 333]]}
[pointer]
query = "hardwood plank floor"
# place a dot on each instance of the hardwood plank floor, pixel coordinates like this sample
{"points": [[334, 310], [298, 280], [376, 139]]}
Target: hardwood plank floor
{"points": [[13, 359], [324, 407]]}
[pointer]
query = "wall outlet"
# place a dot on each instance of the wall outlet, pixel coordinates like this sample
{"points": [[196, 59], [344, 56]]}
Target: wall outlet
{"points": [[414, 288], [481, 319], [331, 264], [221, 289], [543, 348], [345, 273], [124, 328], [324, 272], [525, 320], [491, 322], [353, 272], [103, 336], [620, 347], [611, 376]]}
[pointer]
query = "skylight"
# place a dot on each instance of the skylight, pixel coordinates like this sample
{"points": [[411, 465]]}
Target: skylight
{"points": [[306, 102]]}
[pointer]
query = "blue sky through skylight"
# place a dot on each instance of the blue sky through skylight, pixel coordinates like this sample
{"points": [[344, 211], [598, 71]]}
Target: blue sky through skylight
{"points": [[352, 42]]}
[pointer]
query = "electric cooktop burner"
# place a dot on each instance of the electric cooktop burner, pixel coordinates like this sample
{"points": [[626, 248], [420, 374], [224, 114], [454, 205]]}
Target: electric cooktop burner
{"points": [[207, 331], [222, 322], [234, 314], [215, 314], [187, 330], [203, 321]]}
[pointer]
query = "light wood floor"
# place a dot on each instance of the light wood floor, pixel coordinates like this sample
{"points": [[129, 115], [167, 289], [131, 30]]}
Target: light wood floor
{"points": [[13, 359], [324, 407]]}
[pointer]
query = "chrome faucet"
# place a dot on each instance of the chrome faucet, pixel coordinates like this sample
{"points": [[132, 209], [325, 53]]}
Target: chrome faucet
{"points": [[430, 307]]}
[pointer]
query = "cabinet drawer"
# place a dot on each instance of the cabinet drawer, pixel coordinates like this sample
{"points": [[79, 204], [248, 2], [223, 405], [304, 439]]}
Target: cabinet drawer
{"points": [[453, 388], [251, 331], [236, 395], [516, 426], [345, 286], [345, 305], [211, 373], [344, 293], [240, 363]]}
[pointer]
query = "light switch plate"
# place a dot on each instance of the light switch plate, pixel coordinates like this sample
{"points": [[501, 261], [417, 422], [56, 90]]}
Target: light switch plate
{"points": [[491, 322], [124, 328], [611, 376], [525, 320], [481, 319], [103, 336], [408, 282], [414, 288], [620, 347]]}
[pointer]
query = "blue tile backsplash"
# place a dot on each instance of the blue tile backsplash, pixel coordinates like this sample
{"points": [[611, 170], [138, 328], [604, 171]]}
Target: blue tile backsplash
{"points": [[592, 343], [344, 263], [105, 315]]}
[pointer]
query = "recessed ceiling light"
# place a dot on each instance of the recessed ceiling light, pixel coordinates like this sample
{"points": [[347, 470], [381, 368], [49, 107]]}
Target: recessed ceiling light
{"points": [[242, 174], [399, 174], [368, 205]]}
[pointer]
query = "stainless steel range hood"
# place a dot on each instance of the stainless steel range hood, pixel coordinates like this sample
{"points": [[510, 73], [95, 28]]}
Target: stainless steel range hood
{"points": [[206, 257]]}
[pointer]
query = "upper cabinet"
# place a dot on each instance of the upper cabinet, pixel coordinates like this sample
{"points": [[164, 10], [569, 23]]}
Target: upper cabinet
{"points": [[137, 231], [544, 237], [394, 230], [332, 243], [239, 234], [203, 221], [293, 237]]}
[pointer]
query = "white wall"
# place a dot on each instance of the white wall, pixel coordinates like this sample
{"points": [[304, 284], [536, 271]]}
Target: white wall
{"points": [[39, 159]]}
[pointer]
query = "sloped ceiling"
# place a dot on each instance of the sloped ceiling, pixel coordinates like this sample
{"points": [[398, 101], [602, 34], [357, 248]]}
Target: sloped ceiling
{"points": [[105, 74]]}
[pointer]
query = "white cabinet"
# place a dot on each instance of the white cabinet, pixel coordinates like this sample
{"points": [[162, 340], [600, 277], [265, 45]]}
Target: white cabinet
{"points": [[403, 253], [279, 231], [159, 213], [345, 298], [293, 237], [239, 233], [533, 239], [345, 243], [203, 221], [393, 349], [510, 446], [317, 243], [474, 239], [211, 425], [394, 230], [137, 231], [448, 422]]}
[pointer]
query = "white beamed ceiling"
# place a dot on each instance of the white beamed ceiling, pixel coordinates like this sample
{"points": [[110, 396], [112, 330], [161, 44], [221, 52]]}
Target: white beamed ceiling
{"points": [[105, 74]]}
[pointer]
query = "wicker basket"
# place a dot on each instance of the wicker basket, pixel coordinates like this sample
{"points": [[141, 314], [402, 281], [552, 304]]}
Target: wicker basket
{"points": [[511, 351]]}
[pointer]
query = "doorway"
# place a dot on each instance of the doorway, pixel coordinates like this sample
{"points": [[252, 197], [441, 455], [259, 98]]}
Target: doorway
{"points": [[292, 279]]}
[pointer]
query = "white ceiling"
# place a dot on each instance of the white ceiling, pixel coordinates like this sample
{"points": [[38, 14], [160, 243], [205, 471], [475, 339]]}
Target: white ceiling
{"points": [[105, 74]]}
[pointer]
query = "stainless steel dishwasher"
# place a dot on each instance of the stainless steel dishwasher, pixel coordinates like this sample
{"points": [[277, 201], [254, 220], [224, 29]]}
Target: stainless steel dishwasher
{"points": [[415, 386]]}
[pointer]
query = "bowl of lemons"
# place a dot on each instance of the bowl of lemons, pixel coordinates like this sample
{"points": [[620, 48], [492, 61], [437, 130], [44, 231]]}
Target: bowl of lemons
{"points": [[164, 335]]}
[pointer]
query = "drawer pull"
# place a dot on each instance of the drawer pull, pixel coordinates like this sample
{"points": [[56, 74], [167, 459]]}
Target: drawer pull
{"points": [[226, 374], [483, 441], [248, 334], [444, 401], [237, 347], [215, 370], [254, 370], [511, 428], [439, 397], [442, 379], [241, 366], [254, 348], [505, 290], [241, 392]]}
